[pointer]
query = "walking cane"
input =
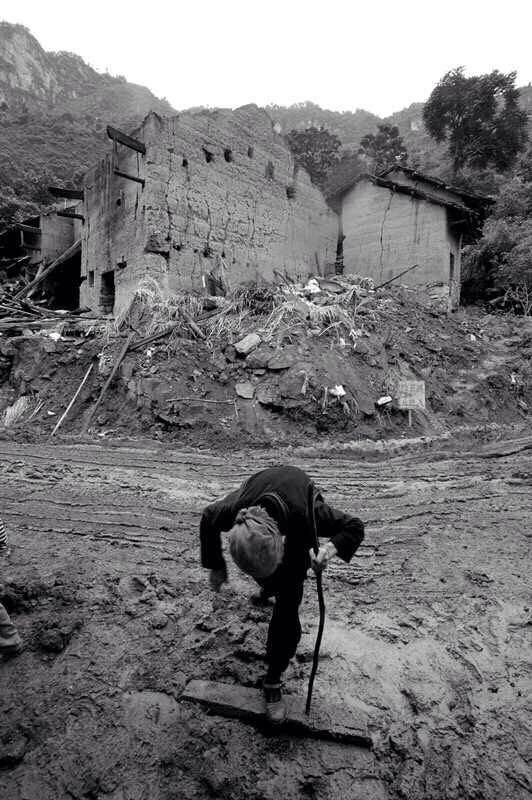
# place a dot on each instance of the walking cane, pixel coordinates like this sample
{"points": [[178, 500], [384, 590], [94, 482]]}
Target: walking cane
{"points": [[321, 601]]}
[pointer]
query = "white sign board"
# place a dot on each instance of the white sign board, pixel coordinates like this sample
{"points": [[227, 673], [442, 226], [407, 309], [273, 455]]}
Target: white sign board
{"points": [[411, 395]]}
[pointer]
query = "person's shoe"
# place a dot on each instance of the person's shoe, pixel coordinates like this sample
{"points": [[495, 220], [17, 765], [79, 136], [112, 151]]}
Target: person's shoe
{"points": [[275, 705]]}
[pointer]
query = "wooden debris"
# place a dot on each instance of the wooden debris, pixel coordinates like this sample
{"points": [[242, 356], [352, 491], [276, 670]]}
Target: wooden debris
{"points": [[247, 704], [80, 387], [68, 253], [108, 382]]}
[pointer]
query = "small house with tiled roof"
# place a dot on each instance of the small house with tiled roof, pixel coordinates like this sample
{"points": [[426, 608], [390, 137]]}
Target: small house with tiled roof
{"points": [[402, 218]]}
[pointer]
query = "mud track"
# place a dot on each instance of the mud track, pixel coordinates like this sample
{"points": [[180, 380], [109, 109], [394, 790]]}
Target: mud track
{"points": [[426, 630]]}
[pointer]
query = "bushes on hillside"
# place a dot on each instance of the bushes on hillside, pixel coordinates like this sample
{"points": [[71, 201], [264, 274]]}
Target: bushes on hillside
{"points": [[500, 263]]}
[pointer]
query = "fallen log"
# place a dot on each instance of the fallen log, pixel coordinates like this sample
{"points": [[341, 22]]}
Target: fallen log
{"points": [[108, 382]]}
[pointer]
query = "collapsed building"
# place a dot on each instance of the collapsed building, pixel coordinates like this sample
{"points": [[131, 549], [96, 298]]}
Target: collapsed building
{"points": [[30, 247], [201, 201], [403, 219], [209, 200]]}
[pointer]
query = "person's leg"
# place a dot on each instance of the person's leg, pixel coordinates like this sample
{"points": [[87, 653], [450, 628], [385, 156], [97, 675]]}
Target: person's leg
{"points": [[10, 641], [283, 638]]}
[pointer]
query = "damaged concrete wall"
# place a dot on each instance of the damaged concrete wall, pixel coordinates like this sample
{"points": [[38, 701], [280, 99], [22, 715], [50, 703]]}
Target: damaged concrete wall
{"points": [[221, 197], [386, 232]]}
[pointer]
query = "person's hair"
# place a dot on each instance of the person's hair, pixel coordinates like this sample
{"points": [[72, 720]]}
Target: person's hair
{"points": [[255, 542]]}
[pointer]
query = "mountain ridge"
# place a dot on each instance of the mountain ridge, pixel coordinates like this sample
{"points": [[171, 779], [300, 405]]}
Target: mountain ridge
{"points": [[54, 108]]}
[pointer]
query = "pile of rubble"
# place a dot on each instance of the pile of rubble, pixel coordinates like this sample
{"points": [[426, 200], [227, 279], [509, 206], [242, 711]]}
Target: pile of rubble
{"points": [[263, 364]]}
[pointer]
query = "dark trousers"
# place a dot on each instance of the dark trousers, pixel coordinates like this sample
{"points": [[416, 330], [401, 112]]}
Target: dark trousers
{"points": [[284, 632]]}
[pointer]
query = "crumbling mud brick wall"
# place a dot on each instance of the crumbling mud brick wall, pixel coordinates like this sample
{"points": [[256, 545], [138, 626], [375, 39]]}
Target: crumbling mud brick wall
{"points": [[222, 201], [386, 232]]}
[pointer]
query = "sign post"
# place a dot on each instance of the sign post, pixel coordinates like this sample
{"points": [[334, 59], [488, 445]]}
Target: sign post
{"points": [[411, 397]]}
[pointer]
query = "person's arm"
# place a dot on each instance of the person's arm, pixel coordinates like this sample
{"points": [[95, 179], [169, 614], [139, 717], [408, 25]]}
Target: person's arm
{"points": [[217, 517], [345, 534]]}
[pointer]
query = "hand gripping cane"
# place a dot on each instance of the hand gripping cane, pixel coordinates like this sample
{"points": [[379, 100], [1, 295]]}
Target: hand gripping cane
{"points": [[321, 601]]}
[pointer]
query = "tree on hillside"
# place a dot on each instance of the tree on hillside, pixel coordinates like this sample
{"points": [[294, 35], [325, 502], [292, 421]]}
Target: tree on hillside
{"points": [[479, 117], [500, 263], [315, 149], [383, 149]]}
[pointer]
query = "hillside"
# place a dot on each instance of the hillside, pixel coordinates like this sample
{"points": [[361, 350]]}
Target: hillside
{"points": [[53, 112], [54, 108]]}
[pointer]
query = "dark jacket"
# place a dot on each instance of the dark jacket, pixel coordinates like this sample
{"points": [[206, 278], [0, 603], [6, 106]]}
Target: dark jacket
{"points": [[283, 492]]}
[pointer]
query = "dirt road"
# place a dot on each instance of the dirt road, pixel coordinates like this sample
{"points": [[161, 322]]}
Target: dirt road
{"points": [[426, 630]]}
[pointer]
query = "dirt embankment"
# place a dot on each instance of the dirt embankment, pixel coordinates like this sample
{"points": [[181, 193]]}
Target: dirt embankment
{"points": [[308, 366], [426, 629]]}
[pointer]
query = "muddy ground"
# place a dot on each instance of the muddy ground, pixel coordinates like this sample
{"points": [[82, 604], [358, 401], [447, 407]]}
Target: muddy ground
{"points": [[425, 629]]}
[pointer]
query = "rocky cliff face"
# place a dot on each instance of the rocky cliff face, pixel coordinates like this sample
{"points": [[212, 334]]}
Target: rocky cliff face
{"points": [[53, 112], [32, 79]]}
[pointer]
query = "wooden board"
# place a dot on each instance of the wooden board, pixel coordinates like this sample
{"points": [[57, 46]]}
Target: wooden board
{"points": [[247, 704]]}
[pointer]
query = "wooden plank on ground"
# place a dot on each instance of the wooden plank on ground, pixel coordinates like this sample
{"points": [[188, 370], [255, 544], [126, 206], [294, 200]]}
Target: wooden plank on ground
{"points": [[244, 703]]}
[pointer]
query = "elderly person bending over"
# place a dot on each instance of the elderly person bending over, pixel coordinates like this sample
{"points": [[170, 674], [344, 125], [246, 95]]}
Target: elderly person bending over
{"points": [[271, 539]]}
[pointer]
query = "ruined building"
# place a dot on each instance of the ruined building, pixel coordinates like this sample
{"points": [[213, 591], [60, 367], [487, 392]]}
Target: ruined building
{"points": [[200, 201], [28, 247], [401, 218]]}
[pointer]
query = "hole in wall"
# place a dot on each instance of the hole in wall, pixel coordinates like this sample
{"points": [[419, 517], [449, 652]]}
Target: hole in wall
{"points": [[269, 172], [228, 155], [91, 277], [290, 192], [251, 152], [119, 201], [208, 155], [184, 163], [207, 252]]}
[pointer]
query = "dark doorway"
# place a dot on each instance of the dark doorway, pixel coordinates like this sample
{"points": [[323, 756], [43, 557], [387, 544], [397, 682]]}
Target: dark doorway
{"points": [[62, 287], [107, 292]]}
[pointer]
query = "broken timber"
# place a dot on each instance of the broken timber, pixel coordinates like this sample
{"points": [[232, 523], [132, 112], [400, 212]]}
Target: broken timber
{"points": [[128, 141], [68, 253], [130, 177], [247, 704], [107, 383], [70, 215], [69, 194]]}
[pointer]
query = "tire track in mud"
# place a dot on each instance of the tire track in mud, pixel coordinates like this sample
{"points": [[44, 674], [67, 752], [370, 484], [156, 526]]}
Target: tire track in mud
{"points": [[425, 627]]}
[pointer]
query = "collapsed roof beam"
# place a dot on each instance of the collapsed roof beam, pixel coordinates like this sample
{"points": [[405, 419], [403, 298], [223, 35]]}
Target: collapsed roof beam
{"points": [[27, 228], [128, 141], [69, 194], [70, 215]]}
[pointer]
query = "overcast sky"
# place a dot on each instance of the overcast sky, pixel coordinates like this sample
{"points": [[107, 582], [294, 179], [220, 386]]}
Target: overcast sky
{"points": [[342, 54]]}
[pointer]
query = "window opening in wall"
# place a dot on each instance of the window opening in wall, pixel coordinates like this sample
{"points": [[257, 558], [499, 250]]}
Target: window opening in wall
{"points": [[290, 192], [228, 155], [451, 272], [184, 163], [269, 172], [91, 278], [107, 292], [208, 155], [250, 152]]}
